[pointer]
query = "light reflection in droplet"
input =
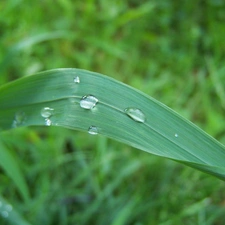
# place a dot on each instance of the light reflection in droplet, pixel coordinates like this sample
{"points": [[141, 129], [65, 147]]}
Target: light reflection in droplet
{"points": [[93, 130], [88, 102], [136, 114]]}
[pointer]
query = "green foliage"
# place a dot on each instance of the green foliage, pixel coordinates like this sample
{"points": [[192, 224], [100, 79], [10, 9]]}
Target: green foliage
{"points": [[170, 50]]}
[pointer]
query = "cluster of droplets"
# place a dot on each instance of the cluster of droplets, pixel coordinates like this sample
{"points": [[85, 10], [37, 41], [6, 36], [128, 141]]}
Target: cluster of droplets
{"points": [[5, 209], [89, 102], [47, 113]]}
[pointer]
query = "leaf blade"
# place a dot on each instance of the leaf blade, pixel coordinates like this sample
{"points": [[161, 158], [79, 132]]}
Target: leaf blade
{"points": [[163, 133], [12, 169]]}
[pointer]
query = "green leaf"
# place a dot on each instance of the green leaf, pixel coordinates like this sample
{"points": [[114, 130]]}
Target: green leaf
{"points": [[9, 163], [121, 112]]}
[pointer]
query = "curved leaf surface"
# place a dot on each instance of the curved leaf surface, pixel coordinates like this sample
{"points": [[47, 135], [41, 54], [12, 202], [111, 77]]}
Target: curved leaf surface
{"points": [[119, 112]]}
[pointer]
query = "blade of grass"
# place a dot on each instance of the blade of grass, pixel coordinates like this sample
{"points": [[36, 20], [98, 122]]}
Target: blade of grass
{"points": [[28, 42], [159, 130], [12, 169]]}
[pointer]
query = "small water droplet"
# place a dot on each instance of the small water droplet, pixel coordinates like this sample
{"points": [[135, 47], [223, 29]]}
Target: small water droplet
{"points": [[19, 119], [46, 112], [176, 135], [76, 80], [88, 102], [48, 122], [93, 130], [5, 214], [136, 114]]}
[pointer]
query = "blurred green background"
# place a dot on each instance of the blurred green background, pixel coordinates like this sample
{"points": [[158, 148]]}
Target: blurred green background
{"points": [[171, 50]]}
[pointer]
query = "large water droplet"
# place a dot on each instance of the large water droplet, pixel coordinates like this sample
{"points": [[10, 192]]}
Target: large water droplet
{"points": [[76, 80], [46, 112], [176, 135], [19, 119], [93, 130], [136, 114], [88, 102]]}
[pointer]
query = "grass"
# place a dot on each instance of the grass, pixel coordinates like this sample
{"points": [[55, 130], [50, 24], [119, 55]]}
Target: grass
{"points": [[170, 51]]}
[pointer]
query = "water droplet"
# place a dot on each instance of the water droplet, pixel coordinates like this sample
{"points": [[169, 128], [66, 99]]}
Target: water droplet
{"points": [[46, 112], [93, 130], [88, 102], [48, 122], [76, 80], [5, 214], [176, 135], [19, 119], [136, 114]]}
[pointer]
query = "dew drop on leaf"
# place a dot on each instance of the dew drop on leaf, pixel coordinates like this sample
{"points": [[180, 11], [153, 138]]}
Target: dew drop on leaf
{"points": [[48, 122], [46, 112], [176, 135], [88, 102], [136, 114], [93, 130], [76, 80]]}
